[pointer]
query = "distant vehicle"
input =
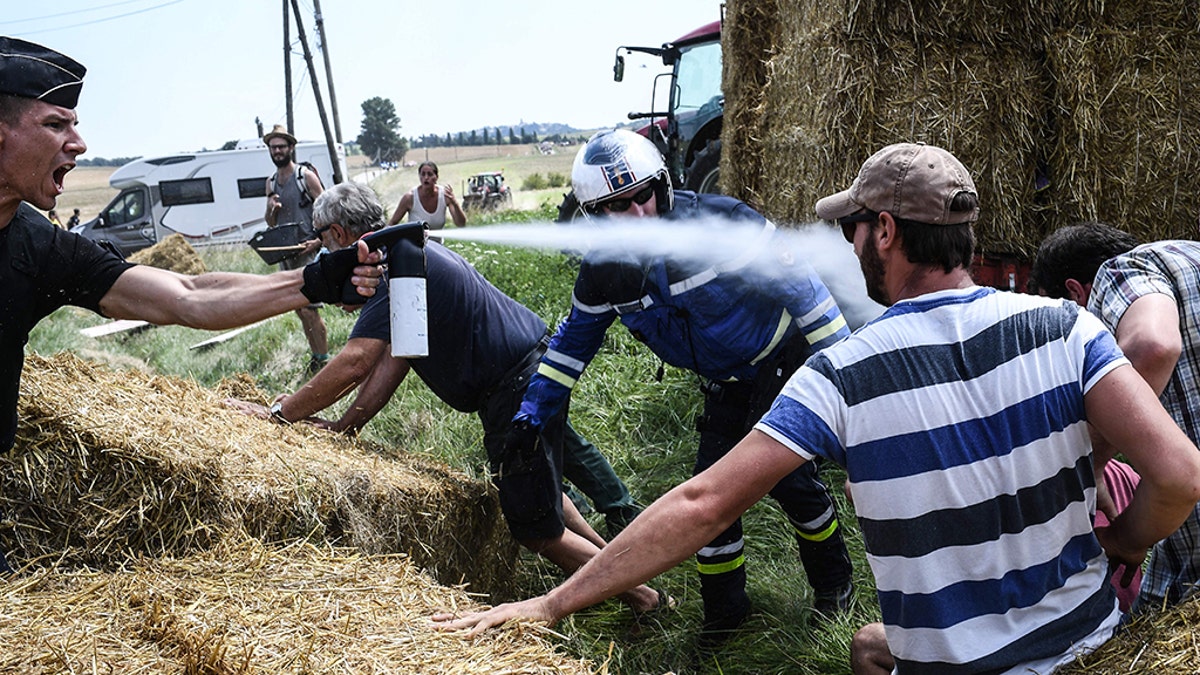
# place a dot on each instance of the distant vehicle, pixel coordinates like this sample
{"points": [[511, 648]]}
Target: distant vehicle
{"points": [[216, 197], [486, 191]]}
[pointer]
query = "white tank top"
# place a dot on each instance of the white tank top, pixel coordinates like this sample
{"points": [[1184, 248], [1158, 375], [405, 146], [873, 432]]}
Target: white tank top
{"points": [[437, 219]]}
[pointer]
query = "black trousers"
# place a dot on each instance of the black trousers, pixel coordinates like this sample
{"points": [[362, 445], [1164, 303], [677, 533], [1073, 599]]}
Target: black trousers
{"points": [[731, 409]]}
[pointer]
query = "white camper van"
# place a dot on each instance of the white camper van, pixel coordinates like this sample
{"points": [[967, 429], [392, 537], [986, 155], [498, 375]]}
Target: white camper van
{"points": [[216, 197]]}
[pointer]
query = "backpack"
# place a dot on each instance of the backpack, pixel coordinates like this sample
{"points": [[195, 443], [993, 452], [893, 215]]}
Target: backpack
{"points": [[306, 199]]}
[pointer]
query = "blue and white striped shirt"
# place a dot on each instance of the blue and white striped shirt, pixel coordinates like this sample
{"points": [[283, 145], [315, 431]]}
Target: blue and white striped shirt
{"points": [[959, 418]]}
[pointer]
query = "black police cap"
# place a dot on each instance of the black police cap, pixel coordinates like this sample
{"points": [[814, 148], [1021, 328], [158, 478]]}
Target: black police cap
{"points": [[33, 71]]}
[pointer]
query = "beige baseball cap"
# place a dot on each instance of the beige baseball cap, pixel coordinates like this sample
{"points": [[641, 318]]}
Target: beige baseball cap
{"points": [[911, 181]]}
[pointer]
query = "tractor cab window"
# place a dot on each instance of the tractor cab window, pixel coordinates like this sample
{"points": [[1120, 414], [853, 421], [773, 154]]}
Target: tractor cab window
{"points": [[698, 78]]}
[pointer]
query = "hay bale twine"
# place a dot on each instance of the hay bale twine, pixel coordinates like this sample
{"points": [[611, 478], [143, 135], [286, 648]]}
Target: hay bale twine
{"points": [[110, 466], [172, 253], [247, 608]]}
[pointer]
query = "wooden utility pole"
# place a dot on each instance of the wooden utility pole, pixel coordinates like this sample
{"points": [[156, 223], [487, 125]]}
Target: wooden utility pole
{"points": [[287, 67], [316, 85], [324, 40]]}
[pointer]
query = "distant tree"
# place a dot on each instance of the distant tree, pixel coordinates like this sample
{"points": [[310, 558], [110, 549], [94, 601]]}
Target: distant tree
{"points": [[101, 161], [449, 141], [460, 141], [528, 138], [486, 141], [474, 138], [512, 137], [380, 135]]}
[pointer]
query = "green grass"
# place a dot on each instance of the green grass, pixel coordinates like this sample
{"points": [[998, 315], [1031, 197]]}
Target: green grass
{"points": [[644, 426]]}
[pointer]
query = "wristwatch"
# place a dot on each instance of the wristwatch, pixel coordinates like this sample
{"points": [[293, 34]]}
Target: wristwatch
{"points": [[277, 413]]}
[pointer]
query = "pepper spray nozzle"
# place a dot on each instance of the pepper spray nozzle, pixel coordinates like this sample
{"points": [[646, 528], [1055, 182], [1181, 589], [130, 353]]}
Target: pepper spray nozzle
{"points": [[388, 236]]}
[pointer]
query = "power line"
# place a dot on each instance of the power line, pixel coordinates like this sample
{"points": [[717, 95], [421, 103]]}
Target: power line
{"points": [[77, 11], [96, 21]]}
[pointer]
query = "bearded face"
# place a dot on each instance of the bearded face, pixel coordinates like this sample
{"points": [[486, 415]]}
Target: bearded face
{"points": [[281, 153], [872, 269]]}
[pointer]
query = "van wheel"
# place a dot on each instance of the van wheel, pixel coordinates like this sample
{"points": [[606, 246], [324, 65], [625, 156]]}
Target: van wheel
{"points": [[705, 172]]}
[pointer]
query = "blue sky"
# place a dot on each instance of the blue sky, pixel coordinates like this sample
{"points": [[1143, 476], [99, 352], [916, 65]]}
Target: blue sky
{"points": [[180, 75]]}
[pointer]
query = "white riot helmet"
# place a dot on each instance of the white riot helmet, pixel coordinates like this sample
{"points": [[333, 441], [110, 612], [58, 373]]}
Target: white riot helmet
{"points": [[615, 161]]}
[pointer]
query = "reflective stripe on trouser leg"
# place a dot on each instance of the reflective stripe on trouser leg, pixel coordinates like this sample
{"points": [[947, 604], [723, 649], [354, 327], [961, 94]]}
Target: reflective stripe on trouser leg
{"points": [[722, 567], [813, 517]]}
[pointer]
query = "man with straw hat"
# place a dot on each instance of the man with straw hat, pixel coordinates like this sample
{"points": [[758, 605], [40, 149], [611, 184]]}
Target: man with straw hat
{"points": [[43, 267], [291, 191]]}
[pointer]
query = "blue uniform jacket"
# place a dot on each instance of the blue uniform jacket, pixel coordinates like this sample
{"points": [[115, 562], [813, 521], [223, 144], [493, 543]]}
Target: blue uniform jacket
{"points": [[718, 319]]}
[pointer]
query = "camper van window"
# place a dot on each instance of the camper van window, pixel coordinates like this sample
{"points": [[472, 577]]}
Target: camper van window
{"points": [[252, 188], [190, 191], [125, 209]]}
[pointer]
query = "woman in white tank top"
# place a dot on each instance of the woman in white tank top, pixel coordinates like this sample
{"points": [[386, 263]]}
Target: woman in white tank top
{"points": [[429, 201]]}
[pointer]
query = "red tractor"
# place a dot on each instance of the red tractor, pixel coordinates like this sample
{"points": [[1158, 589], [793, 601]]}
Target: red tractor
{"points": [[688, 132]]}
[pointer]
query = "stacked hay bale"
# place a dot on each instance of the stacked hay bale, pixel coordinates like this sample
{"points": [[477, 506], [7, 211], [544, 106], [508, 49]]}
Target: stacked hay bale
{"points": [[251, 609], [111, 466], [1065, 110]]}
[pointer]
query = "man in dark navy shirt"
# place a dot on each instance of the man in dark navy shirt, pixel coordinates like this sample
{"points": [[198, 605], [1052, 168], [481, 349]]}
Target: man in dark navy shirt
{"points": [[483, 348]]}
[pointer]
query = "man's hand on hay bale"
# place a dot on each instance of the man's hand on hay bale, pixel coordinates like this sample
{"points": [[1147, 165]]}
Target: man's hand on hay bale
{"points": [[262, 412], [475, 623]]}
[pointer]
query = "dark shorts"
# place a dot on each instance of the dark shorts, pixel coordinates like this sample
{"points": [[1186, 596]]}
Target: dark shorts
{"points": [[530, 484]]}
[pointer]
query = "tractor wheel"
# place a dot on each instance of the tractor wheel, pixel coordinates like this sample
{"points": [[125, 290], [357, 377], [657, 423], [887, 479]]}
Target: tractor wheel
{"points": [[569, 209], [704, 173]]}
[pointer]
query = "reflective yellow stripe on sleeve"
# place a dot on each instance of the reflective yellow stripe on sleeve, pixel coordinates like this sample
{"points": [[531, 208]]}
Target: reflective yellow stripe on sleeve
{"points": [[546, 370]]}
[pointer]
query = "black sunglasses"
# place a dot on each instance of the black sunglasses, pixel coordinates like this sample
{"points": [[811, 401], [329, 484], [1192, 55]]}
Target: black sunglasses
{"points": [[622, 205], [849, 224], [322, 230]]}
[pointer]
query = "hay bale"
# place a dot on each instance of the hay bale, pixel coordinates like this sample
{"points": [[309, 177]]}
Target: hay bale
{"points": [[1023, 92], [986, 23], [830, 102], [744, 79], [113, 465], [1156, 643], [1128, 110], [1130, 14], [172, 253], [246, 608]]}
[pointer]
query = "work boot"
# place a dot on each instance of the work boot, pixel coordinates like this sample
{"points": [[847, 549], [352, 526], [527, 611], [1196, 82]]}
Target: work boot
{"points": [[718, 627], [828, 604]]}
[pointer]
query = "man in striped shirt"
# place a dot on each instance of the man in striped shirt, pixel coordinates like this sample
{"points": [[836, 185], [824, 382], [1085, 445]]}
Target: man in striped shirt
{"points": [[961, 416], [1149, 297]]}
